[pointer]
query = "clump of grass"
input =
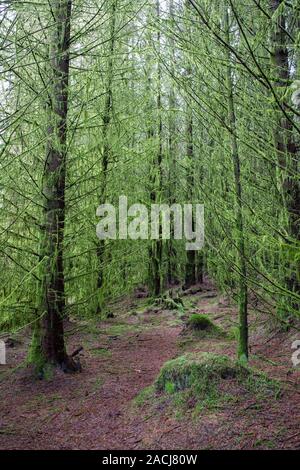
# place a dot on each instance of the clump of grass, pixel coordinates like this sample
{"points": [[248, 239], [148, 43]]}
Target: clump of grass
{"points": [[200, 325]]}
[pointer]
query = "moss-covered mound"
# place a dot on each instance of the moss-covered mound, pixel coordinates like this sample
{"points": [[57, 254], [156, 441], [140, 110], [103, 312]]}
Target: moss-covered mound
{"points": [[201, 325], [201, 370], [204, 374]]}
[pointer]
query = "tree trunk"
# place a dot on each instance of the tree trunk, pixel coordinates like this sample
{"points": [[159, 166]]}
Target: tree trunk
{"points": [[106, 152], [156, 248], [192, 255], [190, 270], [48, 343], [242, 274], [172, 274]]}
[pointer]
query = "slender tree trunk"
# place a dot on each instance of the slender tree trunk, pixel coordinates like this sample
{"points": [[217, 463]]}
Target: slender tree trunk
{"points": [[242, 275], [172, 252], [191, 268], [156, 248], [107, 114], [200, 267], [190, 271], [48, 343]]}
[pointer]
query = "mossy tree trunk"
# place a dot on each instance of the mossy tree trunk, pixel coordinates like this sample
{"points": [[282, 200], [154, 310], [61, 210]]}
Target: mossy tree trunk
{"points": [[172, 274], [48, 345], [106, 150], [240, 242], [190, 270], [193, 268], [156, 247], [285, 143]]}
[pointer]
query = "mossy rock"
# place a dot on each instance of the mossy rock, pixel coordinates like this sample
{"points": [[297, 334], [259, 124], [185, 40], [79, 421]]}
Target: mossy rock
{"points": [[201, 325]]}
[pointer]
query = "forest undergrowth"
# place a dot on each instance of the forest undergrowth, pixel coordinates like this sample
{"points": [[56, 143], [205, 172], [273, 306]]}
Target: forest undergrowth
{"points": [[124, 398]]}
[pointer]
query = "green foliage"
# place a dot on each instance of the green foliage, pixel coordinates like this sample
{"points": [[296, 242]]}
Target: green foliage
{"points": [[157, 129]]}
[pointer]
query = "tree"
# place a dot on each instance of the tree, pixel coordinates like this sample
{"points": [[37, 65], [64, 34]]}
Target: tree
{"points": [[156, 249], [48, 344], [106, 147], [169, 102], [241, 253]]}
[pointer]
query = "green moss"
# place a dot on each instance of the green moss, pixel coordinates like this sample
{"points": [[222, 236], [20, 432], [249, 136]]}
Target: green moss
{"points": [[234, 333], [264, 444], [35, 353], [261, 385], [195, 382], [201, 325], [166, 302], [101, 352], [36, 357], [199, 371], [143, 305], [170, 387], [120, 329], [213, 401], [185, 342], [200, 321], [202, 376], [145, 395]]}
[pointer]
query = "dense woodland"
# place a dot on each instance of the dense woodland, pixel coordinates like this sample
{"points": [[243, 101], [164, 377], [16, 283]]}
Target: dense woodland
{"points": [[164, 101]]}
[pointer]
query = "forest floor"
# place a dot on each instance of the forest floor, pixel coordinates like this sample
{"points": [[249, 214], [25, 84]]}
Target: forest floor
{"points": [[104, 406]]}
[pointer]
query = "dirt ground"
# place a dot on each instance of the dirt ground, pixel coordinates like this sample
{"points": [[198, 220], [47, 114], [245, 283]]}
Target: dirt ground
{"points": [[97, 409]]}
